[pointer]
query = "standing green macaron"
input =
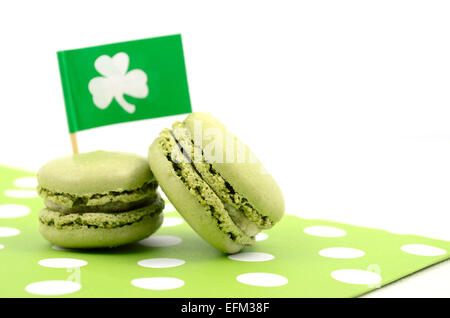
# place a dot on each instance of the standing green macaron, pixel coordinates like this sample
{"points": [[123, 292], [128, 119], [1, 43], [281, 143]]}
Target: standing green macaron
{"points": [[98, 199], [220, 188]]}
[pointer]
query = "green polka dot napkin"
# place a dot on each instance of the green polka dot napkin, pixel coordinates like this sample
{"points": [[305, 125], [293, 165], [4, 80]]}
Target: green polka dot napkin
{"points": [[297, 258]]}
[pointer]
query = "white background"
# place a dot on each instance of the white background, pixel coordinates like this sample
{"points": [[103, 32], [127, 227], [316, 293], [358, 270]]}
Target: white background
{"points": [[346, 102]]}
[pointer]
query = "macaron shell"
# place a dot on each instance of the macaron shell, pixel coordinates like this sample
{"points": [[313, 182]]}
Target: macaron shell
{"points": [[246, 175], [73, 237], [95, 172], [186, 203]]}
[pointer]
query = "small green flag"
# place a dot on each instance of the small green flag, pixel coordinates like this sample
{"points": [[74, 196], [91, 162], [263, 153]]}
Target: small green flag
{"points": [[123, 82]]}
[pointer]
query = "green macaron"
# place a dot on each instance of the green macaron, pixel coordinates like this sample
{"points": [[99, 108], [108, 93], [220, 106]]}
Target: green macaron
{"points": [[98, 199], [215, 182]]}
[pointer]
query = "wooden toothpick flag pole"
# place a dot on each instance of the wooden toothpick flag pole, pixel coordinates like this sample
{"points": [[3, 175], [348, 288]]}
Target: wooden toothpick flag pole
{"points": [[123, 82], [74, 142]]}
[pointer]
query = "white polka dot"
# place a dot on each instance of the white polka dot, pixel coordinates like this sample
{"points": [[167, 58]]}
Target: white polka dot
{"points": [[169, 207], [251, 257], [26, 182], [13, 211], [261, 236], [341, 252], [423, 250], [325, 231], [8, 231], [169, 221], [1, 246], [62, 262], [161, 262], [262, 279], [356, 276], [161, 241], [53, 287], [21, 193], [157, 283]]}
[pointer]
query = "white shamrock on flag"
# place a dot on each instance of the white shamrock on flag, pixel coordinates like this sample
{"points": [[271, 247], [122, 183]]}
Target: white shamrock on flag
{"points": [[116, 82]]}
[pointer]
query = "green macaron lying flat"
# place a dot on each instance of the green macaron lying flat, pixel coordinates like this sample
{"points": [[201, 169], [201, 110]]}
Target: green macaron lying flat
{"points": [[220, 188], [98, 199]]}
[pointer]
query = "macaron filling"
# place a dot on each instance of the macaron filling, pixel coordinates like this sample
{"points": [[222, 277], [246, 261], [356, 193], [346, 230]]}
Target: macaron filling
{"points": [[108, 207], [240, 209], [186, 172], [100, 220], [111, 201]]}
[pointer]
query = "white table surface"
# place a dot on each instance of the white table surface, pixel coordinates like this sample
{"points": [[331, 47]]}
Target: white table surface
{"points": [[346, 102]]}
